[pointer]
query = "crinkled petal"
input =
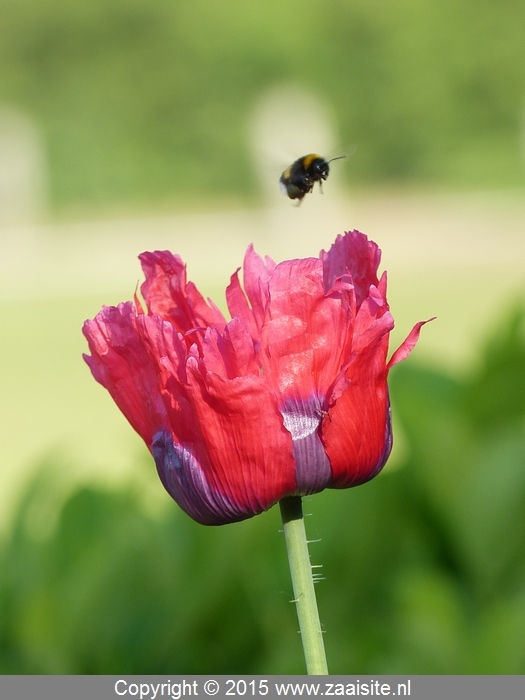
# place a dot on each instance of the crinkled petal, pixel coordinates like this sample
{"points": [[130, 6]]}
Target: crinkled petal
{"points": [[357, 431], [170, 296], [241, 349], [239, 307], [169, 359], [250, 458], [373, 321], [307, 338], [120, 363], [257, 274], [232, 354], [352, 253], [228, 437]]}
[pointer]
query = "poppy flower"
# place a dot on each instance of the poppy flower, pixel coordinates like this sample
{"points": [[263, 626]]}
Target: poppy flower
{"points": [[288, 397]]}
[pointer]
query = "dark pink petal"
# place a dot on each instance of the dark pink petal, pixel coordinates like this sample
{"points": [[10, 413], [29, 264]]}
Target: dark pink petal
{"points": [[120, 363], [216, 355], [373, 321], [256, 276], [181, 455], [307, 337], [169, 358], [238, 306], [352, 253], [257, 273], [241, 349], [232, 354], [408, 344], [382, 284], [170, 296]]}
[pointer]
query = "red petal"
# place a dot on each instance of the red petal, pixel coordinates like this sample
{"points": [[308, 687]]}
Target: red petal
{"points": [[356, 430], [249, 451], [232, 428], [120, 363], [168, 356]]}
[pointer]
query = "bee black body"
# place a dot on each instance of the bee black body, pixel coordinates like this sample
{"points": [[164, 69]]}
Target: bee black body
{"points": [[299, 179]]}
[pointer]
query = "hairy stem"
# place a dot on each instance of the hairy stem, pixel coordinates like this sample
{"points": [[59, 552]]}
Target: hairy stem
{"points": [[303, 585]]}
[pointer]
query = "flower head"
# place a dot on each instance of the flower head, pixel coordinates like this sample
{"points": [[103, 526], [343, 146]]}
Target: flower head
{"points": [[288, 397]]}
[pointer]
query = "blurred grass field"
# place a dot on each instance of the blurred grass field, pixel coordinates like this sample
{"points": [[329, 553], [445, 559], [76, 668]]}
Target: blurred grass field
{"points": [[127, 126]]}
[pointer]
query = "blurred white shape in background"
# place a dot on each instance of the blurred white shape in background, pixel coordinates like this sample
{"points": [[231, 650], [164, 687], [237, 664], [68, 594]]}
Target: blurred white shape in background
{"points": [[23, 171], [289, 122]]}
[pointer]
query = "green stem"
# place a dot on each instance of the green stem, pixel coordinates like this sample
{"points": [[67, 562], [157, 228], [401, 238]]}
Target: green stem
{"points": [[303, 585]]}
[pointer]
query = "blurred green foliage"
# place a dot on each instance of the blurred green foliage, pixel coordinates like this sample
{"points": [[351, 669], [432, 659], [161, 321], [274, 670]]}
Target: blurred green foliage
{"points": [[424, 566], [144, 99]]}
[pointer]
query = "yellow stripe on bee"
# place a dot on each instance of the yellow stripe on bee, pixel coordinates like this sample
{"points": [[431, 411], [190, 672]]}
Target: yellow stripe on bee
{"points": [[309, 159], [286, 173]]}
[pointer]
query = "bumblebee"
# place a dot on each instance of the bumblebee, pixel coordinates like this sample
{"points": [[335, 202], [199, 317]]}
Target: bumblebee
{"points": [[299, 179]]}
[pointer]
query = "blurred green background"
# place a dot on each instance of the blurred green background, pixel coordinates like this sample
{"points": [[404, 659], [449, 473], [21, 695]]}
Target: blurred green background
{"points": [[141, 119], [146, 100]]}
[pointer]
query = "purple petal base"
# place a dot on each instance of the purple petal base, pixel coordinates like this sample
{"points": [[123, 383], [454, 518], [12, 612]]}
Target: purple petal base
{"points": [[302, 418], [184, 479]]}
